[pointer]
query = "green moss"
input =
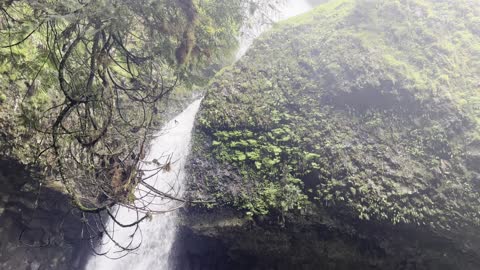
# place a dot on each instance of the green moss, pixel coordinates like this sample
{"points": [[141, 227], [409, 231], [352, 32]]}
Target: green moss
{"points": [[336, 10], [370, 104], [3, 97]]}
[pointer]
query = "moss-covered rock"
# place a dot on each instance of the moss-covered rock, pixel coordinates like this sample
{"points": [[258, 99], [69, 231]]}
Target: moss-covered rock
{"points": [[368, 109], [219, 239]]}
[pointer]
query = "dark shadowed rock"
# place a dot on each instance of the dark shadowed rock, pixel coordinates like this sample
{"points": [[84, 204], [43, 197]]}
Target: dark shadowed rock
{"points": [[39, 229]]}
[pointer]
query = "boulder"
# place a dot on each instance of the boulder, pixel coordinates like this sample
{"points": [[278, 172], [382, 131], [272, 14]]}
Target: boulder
{"points": [[352, 128]]}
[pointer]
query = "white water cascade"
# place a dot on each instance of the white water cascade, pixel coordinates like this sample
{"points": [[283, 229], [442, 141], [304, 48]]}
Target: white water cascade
{"points": [[286, 10], [173, 142], [156, 236]]}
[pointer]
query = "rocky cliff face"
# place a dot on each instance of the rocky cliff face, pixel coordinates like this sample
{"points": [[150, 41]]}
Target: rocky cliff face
{"points": [[39, 229], [349, 136]]}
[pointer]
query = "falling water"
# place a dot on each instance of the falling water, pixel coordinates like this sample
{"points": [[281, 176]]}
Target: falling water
{"points": [[286, 10], [156, 236], [172, 143]]}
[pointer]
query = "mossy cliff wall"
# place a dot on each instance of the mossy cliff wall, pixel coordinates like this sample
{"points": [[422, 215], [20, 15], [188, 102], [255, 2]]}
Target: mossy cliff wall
{"points": [[365, 112]]}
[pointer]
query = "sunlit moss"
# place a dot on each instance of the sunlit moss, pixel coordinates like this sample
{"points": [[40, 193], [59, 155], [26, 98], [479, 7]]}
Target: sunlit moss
{"points": [[370, 103]]}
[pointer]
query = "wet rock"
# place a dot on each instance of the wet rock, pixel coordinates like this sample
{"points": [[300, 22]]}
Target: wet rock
{"points": [[341, 144], [39, 230]]}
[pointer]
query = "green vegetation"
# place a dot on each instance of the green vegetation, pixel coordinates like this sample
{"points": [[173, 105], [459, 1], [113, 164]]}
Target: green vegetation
{"points": [[84, 83], [3, 97], [364, 107]]}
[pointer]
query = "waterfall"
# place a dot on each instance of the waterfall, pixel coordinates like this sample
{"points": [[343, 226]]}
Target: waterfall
{"points": [[156, 236], [286, 10], [172, 142]]}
